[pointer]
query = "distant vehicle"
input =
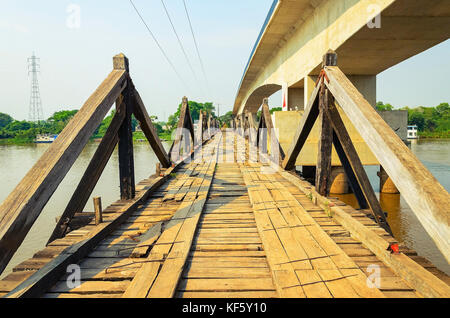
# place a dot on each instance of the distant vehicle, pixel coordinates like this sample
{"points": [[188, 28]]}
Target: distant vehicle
{"points": [[45, 138], [412, 132]]}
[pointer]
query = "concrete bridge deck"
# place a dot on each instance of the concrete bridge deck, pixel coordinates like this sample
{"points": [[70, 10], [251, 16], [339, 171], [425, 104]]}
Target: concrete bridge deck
{"points": [[225, 227]]}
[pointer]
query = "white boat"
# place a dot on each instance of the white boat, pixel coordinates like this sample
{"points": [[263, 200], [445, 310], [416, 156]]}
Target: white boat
{"points": [[45, 138], [412, 132]]}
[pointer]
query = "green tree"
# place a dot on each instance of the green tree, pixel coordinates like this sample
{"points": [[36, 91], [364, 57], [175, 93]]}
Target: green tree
{"points": [[226, 118], [16, 126], [194, 108], [384, 107], [275, 109], [5, 119], [417, 118], [62, 116]]}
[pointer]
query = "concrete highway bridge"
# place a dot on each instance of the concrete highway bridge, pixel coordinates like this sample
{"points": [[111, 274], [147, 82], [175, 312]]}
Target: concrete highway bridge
{"points": [[226, 213]]}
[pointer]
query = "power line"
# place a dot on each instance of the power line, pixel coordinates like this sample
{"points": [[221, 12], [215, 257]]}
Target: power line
{"points": [[159, 46], [179, 41], [196, 45]]}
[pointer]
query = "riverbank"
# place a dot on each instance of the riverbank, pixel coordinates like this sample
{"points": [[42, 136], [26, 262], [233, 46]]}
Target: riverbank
{"points": [[434, 134], [137, 136]]}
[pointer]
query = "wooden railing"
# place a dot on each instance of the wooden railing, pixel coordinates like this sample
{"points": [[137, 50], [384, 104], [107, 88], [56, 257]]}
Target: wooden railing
{"points": [[429, 201], [25, 203]]}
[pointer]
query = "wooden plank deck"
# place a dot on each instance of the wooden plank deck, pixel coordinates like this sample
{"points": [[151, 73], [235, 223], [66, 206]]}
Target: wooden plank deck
{"points": [[225, 227]]}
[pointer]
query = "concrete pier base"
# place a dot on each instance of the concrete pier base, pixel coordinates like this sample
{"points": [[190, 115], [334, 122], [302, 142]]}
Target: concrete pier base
{"points": [[339, 181], [386, 184]]}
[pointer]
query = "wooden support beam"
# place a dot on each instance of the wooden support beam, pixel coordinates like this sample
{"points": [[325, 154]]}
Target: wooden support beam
{"points": [[325, 145], [261, 136], [265, 113], [357, 167], [209, 125], [185, 122], [91, 175], [22, 207], [200, 129], [98, 210], [428, 199], [349, 173], [140, 112], [126, 156], [303, 130], [252, 128]]}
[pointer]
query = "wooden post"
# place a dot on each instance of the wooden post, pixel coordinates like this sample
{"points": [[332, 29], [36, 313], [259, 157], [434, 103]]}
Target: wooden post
{"points": [[126, 158], [98, 210], [185, 122], [209, 125], [323, 170], [200, 129], [158, 169]]}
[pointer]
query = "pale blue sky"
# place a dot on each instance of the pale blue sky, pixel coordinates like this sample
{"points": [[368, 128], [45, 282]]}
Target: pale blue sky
{"points": [[75, 61]]}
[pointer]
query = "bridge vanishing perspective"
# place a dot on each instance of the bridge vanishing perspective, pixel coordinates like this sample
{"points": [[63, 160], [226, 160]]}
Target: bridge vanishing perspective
{"points": [[226, 214]]}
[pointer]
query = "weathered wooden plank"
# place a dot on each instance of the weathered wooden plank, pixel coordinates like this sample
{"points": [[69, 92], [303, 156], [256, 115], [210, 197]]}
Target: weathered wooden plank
{"points": [[283, 273], [427, 198], [22, 207], [90, 176], [92, 287], [184, 221], [229, 294], [126, 156], [226, 284], [325, 145], [423, 281], [45, 277], [166, 282]]}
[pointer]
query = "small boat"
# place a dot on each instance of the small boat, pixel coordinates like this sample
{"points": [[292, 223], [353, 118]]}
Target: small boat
{"points": [[45, 138], [412, 132]]}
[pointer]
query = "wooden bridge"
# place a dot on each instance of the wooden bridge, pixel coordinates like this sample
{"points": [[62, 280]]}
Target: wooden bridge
{"points": [[225, 215]]}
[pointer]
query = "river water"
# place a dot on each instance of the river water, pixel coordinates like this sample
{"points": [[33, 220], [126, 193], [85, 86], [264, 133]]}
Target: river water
{"points": [[16, 160]]}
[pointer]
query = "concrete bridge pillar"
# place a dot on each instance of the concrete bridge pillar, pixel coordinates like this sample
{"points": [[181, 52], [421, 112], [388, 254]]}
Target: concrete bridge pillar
{"points": [[386, 184], [367, 86], [295, 98], [339, 181]]}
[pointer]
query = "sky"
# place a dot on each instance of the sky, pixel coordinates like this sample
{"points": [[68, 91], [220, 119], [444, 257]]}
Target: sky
{"points": [[76, 54]]}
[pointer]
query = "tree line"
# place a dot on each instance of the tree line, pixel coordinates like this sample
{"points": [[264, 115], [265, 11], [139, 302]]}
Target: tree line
{"points": [[15, 131], [430, 121]]}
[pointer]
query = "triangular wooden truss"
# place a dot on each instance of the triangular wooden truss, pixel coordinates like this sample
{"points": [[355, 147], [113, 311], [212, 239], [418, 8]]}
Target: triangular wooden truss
{"points": [[23, 206], [206, 128], [266, 131], [184, 132], [322, 106]]}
